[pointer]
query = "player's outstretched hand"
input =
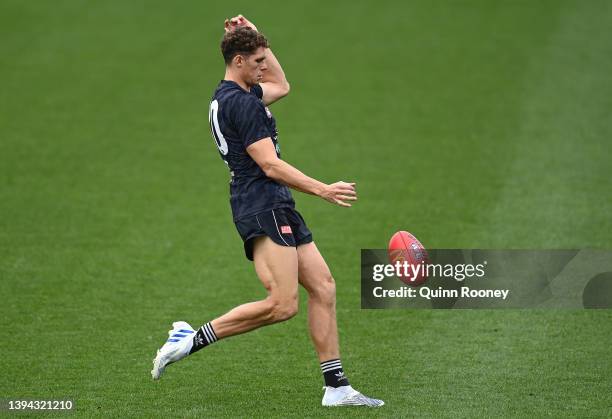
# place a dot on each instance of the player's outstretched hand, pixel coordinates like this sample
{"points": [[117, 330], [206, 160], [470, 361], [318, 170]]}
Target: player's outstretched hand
{"points": [[339, 193], [233, 23]]}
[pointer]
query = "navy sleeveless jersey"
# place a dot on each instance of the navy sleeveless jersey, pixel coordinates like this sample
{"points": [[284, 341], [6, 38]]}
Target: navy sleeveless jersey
{"points": [[238, 119]]}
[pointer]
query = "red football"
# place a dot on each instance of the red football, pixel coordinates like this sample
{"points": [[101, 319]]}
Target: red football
{"points": [[404, 247]]}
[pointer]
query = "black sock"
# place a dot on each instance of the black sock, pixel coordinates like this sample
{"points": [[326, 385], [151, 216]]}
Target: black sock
{"points": [[203, 337], [333, 373]]}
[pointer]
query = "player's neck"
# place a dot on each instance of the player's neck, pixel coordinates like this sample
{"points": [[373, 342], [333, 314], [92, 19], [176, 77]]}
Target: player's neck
{"points": [[230, 76]]}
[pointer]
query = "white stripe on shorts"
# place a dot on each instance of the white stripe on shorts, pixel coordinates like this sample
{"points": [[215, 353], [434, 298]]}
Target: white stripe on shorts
{"points": [[279, 233]]}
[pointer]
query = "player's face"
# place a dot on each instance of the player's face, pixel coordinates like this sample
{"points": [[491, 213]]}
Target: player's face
{"points": [[254, 67]]}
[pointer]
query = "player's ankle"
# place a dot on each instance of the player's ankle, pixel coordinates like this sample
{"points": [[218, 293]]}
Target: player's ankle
{"points": [[204, 336], [333, 373]]}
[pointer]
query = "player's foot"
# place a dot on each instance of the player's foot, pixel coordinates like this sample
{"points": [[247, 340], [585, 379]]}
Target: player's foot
{"points": [[347, 396], [177, 347]]}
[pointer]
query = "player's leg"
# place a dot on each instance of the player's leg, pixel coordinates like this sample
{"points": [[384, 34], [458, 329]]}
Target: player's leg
{"points": [[277, 268], [314, 275]]}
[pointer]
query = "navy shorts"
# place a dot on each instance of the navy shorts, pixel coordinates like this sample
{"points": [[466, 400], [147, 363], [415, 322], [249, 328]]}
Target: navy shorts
{"points": [[285, 226]]}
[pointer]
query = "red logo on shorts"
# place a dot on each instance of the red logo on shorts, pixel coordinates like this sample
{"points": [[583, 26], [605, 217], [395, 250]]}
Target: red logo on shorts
{"points": [[286, 229]]}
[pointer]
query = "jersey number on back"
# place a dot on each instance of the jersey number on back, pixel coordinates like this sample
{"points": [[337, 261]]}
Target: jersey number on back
{"points": [[214, 127]]}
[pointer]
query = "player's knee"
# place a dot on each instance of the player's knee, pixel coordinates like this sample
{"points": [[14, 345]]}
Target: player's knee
{"points": [[286, 311], [281, 309], [325, 290]]}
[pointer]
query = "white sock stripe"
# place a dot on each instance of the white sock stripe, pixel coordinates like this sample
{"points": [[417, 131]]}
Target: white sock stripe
{"points": [[213, 338], [211, 332], [330, 369], [331, 365], [206, 335], [335, 365], [333, 361]]}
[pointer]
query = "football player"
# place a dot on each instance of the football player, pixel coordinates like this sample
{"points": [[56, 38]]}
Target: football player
{"points": [[276, 237]]}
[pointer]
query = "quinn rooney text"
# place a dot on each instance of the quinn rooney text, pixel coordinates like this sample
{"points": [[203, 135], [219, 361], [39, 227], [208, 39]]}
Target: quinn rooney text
{"points": [[429, 293]]}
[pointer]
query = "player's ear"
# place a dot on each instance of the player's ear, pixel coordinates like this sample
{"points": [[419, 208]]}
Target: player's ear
{"points": [[238, 60]]}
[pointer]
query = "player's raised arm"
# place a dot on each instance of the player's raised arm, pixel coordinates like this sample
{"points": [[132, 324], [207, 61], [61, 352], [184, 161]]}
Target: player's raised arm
{"points": [[274, 83], [264, 154]]}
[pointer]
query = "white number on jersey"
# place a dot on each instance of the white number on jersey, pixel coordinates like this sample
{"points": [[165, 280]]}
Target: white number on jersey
{"points": [[214, 127]]}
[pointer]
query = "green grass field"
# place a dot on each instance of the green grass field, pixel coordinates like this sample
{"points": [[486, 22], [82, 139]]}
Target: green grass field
{"points": [[470, 123]]}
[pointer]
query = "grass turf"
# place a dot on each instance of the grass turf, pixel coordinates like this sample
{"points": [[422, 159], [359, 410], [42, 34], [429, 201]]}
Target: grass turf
{"points": [[469, 123]]}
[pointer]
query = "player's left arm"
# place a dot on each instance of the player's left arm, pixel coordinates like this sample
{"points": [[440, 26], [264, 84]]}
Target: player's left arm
{"points": [[274, 84]]}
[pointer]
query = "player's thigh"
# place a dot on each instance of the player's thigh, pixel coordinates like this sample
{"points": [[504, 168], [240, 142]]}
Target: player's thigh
{"points": [[313, 272], [276, 267]]}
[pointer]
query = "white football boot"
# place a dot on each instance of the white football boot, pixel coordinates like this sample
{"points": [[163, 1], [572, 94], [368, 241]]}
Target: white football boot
{"points": [[347, 396], [177, 347]]}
